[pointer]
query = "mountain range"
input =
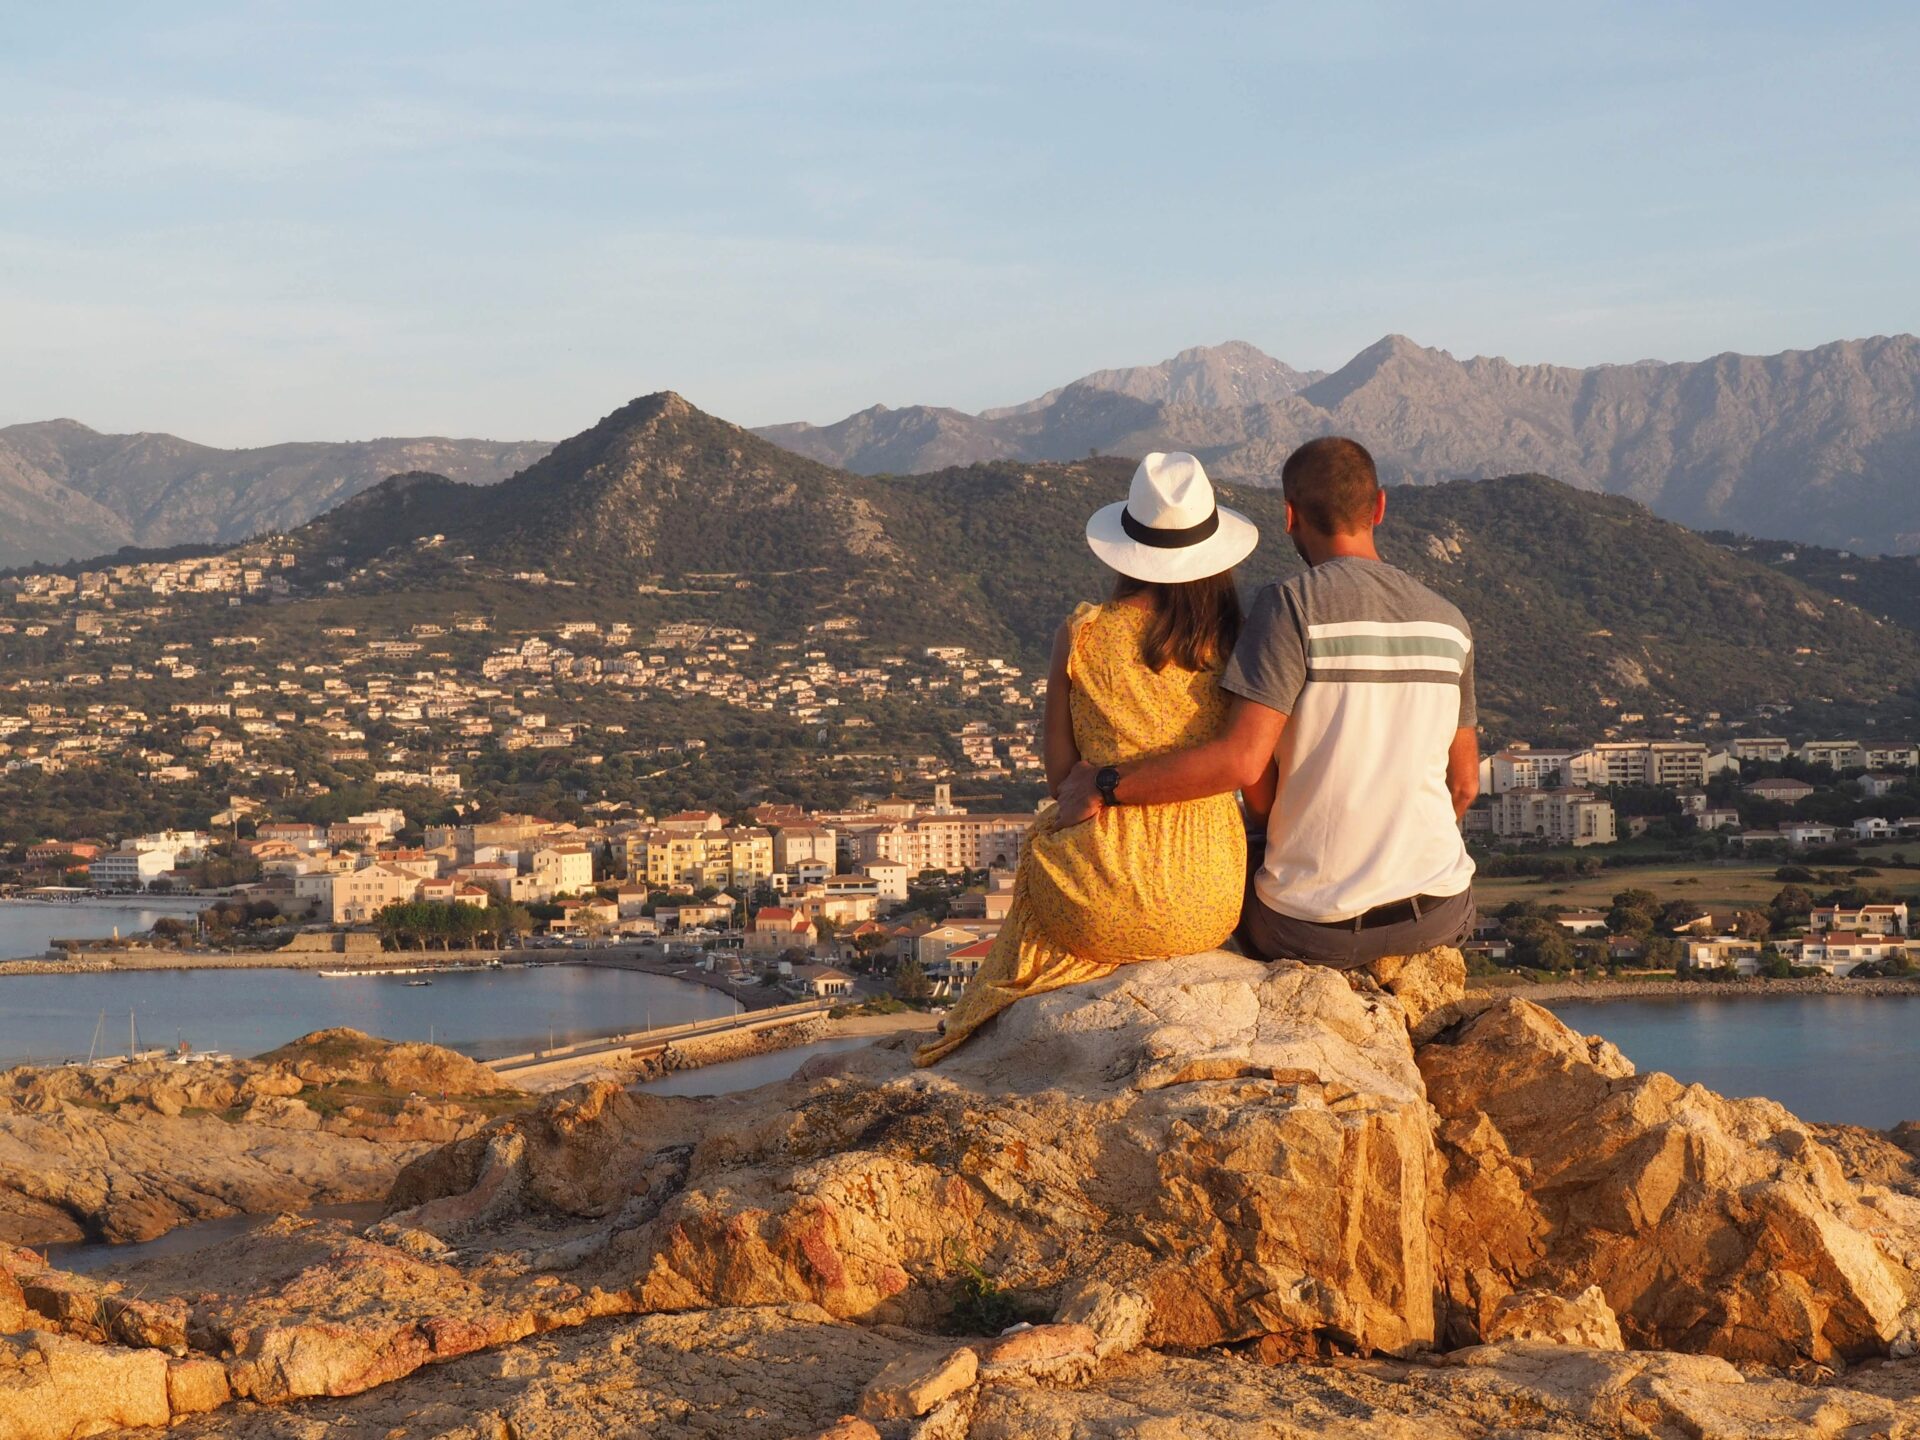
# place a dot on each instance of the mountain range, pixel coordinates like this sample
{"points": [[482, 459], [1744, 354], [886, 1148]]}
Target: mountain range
{"points": [[1817, 445], [67, 491], [1585, 605]]}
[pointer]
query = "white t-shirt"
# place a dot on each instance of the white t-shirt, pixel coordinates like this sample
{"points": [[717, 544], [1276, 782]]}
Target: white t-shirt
{"points": [[1375, 672]]}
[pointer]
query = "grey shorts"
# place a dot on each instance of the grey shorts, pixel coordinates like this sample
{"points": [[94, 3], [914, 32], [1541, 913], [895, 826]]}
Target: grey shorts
{"points": [[1268, 935]]}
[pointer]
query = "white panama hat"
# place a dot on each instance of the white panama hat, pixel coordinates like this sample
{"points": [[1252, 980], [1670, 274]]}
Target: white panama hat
{"points": [[1169, 528]]}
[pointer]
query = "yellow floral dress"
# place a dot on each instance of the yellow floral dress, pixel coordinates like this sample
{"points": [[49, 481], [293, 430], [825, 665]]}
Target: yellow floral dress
{"points": [[1137, 882]]}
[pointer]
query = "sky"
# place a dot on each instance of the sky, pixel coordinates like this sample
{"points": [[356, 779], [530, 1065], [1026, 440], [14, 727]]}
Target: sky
{"points": [[250, 223]]}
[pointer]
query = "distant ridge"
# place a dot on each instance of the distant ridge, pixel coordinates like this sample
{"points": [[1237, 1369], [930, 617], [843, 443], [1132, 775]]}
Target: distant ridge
{"points": [[68, 491], [1820, 445], [1586, 606]]}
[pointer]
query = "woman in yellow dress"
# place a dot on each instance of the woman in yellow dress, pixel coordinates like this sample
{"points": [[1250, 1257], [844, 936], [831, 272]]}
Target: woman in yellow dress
{"points": [[1135, 676]]}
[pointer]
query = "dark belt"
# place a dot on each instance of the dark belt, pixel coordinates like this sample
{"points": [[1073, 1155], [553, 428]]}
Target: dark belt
{"points": [[1394, 912]]}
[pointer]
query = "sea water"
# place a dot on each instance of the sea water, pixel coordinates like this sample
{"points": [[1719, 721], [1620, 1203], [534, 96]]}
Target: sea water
{"points": [[1843, 1059], [484, 1013]]}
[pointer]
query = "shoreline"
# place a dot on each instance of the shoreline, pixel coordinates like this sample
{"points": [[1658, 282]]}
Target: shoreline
{"points": [[106, 962], [115, 902], [750, 997], [1602, 990]]}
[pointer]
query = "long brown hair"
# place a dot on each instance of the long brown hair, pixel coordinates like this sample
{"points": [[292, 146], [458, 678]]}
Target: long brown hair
{"points": [[1195, 622]]}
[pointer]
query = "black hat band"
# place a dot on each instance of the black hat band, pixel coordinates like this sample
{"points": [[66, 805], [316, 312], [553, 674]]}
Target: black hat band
{"points": [[1170, 539]]}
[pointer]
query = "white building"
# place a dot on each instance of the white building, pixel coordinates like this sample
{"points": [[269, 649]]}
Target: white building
{"points": [[797, 845], [563, 869], [1891, 757], [1675, 763], [125, 869], [1863, 919], [1840, 952], [1802, 833], [889, 878], [947, 842], [1554, 817], [1521, 767], [1724, 952], [1840, 754]]}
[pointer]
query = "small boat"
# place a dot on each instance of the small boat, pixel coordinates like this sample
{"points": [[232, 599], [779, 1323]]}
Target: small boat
{"points": [[419, 982]]}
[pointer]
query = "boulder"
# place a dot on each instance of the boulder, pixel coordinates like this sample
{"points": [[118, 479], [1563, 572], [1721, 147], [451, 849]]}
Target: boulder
{"points": [[1423, 983], [328, 1057], [53, 1387], [13, 1303], [917, 1383], [1709, 1224], [1041, 1352], [196, 1384], [847, 1427], [1586, 1320], [1246, 1148], [1118, 1318]]}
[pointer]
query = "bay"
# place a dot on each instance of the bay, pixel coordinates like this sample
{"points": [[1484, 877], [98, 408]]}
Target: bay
{"points": [[1839, 1059], [28, 927], [483, 1013]]}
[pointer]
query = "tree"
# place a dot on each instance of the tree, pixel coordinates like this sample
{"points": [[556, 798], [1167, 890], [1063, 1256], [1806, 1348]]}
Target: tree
{"points": [[1638, 900], [1774, 965], [1541, 945], [1791, 905], [910, 982], [1750, 925], [1629, 920], [1679, 912], [1663, 953]]}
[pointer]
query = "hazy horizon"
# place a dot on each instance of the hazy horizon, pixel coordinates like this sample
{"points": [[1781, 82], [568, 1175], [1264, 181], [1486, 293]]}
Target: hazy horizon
{"points": [[247, 225], [613, 404]]}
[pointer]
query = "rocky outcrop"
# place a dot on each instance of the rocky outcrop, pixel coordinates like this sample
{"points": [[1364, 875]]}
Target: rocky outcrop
{"points": [[342, 1057], [130, 1152], [54, 1388], [1116, 1201], [787, 1372], [1711, 1225], [1247, 1148]]}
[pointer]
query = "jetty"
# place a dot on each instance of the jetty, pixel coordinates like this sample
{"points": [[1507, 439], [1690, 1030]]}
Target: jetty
{"points": [[641, 1045]]}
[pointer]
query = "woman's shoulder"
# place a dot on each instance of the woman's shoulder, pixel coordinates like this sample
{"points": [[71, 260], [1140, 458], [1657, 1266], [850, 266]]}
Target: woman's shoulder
{"points": [[1085, 614]]}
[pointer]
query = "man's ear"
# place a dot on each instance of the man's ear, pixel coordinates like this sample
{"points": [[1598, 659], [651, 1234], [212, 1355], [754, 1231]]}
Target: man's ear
{"points": [[1291, 522], [1380, 505]]}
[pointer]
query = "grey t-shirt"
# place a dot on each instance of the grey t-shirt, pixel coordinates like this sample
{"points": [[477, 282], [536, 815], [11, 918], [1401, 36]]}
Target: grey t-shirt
{"points": [[1375, 672]]}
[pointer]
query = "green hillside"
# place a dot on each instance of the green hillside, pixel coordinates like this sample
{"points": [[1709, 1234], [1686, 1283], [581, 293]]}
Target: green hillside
{"points": [[1586, 606]]}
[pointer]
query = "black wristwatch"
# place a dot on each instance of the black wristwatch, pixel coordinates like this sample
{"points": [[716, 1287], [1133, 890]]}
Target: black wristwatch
{"points": [[1105, 782]]}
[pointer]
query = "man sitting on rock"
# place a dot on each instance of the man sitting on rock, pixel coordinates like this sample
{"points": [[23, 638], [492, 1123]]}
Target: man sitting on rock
{"points": [[1356, 682]]}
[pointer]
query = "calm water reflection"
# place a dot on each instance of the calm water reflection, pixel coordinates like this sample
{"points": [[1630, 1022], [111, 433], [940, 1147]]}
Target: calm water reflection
{"points": [[484, 1013], [29, 927], [1847, 1059]]}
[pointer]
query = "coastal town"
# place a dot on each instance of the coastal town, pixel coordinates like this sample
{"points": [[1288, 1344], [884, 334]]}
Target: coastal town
{"points": [[904, 896], [442, 704], [486, 779]]}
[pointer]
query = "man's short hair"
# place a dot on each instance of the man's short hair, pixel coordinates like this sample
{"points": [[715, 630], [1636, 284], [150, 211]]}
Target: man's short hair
{"points": [[1331, 485]]}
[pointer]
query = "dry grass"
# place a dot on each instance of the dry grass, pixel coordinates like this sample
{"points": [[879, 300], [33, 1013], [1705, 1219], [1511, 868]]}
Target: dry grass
{"points": [[1705, 884]]}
